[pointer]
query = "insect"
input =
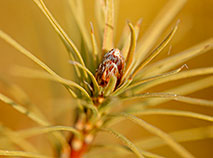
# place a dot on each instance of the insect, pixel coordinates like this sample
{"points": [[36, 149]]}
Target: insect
{"points": [[113, 64]]}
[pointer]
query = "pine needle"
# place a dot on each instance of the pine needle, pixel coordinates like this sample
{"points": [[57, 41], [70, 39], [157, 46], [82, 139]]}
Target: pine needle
{"points": [[126, 38], [34, 73], [137, 110], [174, 77], [110, 86], [100, 17], [171, 96], [164, 136], [122, 88], [58, 29], [108, 39], [17, 140], [186, 89], [185, 135], [21, 154], [42, 130], [23, 110], [20, 95], [155, 30], [120, 150], [30, 115], [170, 62], [94, 81], [156, 51], [130, 55], [78, 12], [43, 75], [96, 56], [157, 77], [172, 112], [124, 140], [25, 52]]}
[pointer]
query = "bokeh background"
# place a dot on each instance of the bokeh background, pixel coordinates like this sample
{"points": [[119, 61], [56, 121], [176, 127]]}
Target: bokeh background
{"points": [[25, 23]]}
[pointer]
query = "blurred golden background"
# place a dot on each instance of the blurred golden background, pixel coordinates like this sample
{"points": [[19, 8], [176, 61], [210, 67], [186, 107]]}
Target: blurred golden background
{"points": [[26, 24]]}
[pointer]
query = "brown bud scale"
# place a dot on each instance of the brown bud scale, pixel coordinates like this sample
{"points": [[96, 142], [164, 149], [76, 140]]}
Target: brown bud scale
{"points": [[112, 64]]}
